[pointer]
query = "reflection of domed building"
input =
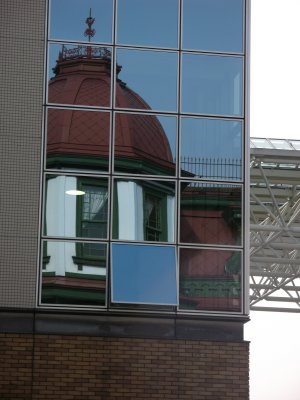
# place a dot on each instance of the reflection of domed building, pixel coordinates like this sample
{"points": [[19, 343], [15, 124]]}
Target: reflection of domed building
{"points": [[142, 209], [79, 139], [83, 77], [113, 283]]}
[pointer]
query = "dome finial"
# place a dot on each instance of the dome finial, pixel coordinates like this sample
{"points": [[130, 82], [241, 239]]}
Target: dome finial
{"points": [[90, 32]]}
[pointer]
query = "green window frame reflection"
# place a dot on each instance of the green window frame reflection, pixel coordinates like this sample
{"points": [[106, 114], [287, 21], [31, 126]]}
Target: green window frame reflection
{"points": [[151, 213], [66, 212], [70, 280], [92, 208], [155, 211], [92, 216]]}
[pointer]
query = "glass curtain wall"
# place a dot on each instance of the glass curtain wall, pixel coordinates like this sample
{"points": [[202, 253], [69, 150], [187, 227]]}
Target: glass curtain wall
{"points": [[143, 190]]}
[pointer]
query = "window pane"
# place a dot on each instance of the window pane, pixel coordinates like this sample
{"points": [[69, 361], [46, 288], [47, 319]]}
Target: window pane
{"points": [[144, 274], [77, 139], [210, 213], [148, 22], [94, 211], [144, 210], [79, 75], [210, 280], [213, 25], [76, 207], [295, 144], [72, 276], [212, 84], [148, 80], [145, 144], [68, 20], [211, 148], [280, 144], [261, 143]]}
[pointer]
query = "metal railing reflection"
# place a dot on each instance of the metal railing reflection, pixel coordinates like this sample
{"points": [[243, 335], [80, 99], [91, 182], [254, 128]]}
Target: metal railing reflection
{"points": [[84, 52], [217, 168]]}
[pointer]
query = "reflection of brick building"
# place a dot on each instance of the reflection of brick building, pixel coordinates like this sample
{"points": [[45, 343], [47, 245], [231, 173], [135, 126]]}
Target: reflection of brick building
{"points": [[61, 334], [210, 279]]}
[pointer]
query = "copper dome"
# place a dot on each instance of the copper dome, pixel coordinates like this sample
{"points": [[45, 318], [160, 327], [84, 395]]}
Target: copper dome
{"points": [[83, 78]]}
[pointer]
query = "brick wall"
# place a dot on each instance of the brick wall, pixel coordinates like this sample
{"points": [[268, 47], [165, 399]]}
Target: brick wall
{"points": [[88, 368]]}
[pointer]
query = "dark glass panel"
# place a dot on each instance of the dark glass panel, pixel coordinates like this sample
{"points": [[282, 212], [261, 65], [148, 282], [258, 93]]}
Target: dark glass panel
{"points": [[210, 280], [148, 22], [72, 275], [79, 75], [148, 80], [144, 210], [212, 85], [94, 211], [145, 144], [76, 207], [77, 140], [213, 25], [68, 20], [144, 274], [210, 213], [211, 148]]}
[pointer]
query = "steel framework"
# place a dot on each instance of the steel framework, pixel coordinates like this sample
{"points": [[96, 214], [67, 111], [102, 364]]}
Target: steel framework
{"points": [[275, 225]]}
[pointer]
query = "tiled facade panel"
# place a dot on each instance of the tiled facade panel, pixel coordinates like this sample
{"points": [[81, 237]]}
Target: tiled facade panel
{"points": [[21, 65], [70, 367]]}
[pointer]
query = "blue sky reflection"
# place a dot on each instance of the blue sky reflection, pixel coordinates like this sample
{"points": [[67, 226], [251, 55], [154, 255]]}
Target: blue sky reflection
{"points": [[144, 274], [152, 22], [213, 25], [68, 19]]}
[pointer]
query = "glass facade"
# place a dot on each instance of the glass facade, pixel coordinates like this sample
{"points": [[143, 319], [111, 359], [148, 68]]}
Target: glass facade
{"points": [[144, 172]]}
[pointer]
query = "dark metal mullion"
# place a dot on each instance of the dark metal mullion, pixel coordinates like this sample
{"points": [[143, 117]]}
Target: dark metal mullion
{"points": [[111, 161]]}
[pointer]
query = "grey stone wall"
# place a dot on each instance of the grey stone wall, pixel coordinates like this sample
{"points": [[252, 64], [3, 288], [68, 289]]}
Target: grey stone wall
{"points": [[22, 31]]}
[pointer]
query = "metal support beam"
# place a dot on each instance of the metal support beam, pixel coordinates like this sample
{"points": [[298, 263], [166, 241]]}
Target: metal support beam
{"points": [[275, 230]]}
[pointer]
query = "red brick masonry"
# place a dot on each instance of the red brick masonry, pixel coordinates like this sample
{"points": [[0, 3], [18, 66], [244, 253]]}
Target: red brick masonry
{"points": [[55, 367]]}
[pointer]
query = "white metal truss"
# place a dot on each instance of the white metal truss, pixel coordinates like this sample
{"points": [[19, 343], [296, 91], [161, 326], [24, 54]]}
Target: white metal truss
{"points": [[275, 225]]}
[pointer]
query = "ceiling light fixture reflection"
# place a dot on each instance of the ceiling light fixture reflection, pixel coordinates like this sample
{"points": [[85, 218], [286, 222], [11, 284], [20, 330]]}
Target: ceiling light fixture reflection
{"points": [[75, 192]]}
